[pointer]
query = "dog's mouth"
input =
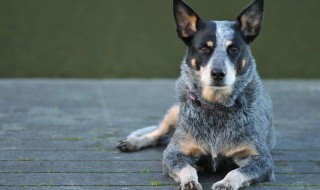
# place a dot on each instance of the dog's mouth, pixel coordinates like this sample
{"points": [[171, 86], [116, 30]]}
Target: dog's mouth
{"points": [[217, 89], [219, 86]]}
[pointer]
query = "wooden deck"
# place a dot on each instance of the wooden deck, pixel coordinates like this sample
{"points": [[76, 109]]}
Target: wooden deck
{"points": [[61, 134]]}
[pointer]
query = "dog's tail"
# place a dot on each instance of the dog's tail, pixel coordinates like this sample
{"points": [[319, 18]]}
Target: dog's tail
{"points": [[152, 135], [142, 131]]}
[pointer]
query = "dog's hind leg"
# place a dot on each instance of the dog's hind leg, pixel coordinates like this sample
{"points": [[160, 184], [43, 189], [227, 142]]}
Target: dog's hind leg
{"points": [[150, 136]]}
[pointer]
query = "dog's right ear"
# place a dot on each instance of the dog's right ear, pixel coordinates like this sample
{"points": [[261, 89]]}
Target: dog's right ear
{"points": [[187, 21]]}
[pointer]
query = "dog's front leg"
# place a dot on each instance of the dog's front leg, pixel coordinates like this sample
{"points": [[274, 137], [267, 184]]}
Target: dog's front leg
{"points": [[255, 168], [174, 165]]}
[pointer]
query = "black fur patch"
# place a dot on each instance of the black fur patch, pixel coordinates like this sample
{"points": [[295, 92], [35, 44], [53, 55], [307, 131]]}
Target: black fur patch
{"points": [[195, 48]]}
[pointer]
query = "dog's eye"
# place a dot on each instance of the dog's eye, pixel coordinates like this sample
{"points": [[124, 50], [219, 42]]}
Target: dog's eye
{"points": [[232, 49], [205, 49]]}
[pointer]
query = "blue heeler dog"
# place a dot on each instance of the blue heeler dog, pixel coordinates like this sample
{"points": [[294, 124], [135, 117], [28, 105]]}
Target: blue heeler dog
{"points": [[224, 115]]}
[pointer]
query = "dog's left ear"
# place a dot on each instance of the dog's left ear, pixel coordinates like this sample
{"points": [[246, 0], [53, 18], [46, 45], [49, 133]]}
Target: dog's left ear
{"points": [[250, 20], [187, 21]]}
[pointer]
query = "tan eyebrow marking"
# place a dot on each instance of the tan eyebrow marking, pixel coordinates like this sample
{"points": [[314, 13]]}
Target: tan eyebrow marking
{"points": [[193, 62], [210, 43], [228, 43]]}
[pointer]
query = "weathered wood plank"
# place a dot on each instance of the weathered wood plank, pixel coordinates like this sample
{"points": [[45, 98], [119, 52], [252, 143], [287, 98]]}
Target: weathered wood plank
{"points": [[206, 186], [134, 179], [33, 128], [150, 154], [107, 140], [62, 143], [127, 167]]}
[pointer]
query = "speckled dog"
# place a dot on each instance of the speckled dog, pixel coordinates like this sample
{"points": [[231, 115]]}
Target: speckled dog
{"points": [[223, 114]]}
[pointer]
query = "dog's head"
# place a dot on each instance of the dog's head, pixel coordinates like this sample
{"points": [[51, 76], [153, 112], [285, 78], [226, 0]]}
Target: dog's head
{"points": [[218, 51]]}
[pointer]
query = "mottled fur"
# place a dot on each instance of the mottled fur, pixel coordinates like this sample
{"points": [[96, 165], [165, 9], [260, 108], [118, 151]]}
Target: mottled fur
{"points": [[224, 113]]}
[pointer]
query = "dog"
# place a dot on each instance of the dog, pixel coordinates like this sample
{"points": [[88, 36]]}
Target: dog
{"points": [[223, 115]]}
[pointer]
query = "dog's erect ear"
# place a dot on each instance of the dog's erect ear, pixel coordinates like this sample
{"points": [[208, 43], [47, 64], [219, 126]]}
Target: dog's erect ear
{"points": [[187, 21], [250, 20]]}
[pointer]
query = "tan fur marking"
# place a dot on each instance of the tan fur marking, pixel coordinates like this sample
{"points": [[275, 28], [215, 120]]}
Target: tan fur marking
{"points": [[243, 22], [184, 34], [210, 43], [254, 24], [193, 20], [193, 62], [216, 95], [240, 151], [208, 94], [169, 121], [189, 147], [228, 43], [192, 25]]}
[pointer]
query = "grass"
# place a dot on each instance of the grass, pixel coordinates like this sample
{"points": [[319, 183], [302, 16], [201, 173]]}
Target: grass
{"points": [[13, 130], [107, 137], [105, 183], [145, 170], [155, 183], [49, 183], [25, 159]]}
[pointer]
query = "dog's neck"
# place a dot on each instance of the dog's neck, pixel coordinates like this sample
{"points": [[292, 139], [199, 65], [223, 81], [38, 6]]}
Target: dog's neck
{"points": [[193, 98]]}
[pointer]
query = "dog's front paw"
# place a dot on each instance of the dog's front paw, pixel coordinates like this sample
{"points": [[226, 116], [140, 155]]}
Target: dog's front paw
{"points": [[223, 186], [191, 185], [127, 145]]}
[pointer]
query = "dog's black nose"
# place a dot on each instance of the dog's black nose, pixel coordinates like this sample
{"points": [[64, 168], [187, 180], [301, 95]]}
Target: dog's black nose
{"points": [[218, 74]]}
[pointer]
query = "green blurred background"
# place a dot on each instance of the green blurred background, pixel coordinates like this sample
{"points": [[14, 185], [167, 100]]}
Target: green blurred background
{"points": [[137, 38]]}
